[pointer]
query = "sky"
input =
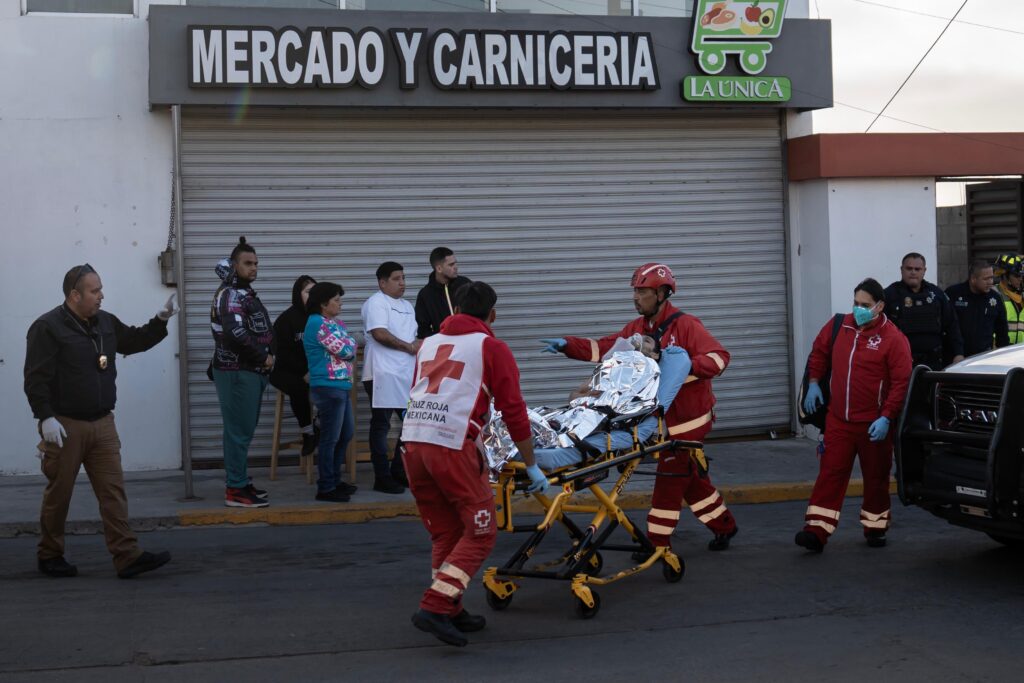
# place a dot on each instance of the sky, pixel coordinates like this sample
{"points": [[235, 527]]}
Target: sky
{"points": [[971, 81]]}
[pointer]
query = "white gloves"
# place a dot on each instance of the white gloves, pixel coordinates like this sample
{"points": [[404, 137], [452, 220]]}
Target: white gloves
{"points": [[169, 310], [53, 431]]}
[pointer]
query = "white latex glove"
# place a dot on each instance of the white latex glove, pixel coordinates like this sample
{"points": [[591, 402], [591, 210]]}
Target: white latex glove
{"points": [[53, 431], [169, 310]]}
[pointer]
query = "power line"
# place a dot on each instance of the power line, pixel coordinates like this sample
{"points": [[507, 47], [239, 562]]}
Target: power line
{"points": [[914, 70], [935, 16]]}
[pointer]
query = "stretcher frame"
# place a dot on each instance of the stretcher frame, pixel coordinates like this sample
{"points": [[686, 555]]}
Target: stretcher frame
{"points": [[581, 564]]}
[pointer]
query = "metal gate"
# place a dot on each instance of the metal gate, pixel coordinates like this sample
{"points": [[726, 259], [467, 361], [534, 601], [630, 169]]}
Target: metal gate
{"points": [[553, 209]]}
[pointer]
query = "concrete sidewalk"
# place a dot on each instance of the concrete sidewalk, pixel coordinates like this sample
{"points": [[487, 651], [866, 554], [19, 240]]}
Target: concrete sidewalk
{"points": [[744, 471]]}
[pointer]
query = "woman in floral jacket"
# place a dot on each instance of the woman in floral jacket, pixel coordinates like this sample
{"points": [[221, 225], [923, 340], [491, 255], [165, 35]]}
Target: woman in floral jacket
{"points": [[330, 351]]}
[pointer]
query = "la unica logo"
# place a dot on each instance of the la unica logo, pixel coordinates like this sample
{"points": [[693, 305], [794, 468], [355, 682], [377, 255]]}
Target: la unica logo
{"points": [[744, 30]]}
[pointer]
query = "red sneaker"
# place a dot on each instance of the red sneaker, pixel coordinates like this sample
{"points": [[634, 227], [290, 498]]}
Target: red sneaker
{"points": [[243, 498]]}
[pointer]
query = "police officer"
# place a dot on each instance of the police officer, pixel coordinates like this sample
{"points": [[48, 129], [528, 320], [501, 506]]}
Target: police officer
{"points": [[924, 314], [1010, 268], [70, 382], [980, 311]]}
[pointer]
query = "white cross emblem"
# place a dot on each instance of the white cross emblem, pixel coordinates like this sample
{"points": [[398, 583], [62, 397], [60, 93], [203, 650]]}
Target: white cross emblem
{"points": [[482, 519]]}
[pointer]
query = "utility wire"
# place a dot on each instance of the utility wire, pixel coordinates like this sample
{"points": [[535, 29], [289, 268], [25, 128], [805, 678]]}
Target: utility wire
{"points": [[914, 70], [934, 16]]}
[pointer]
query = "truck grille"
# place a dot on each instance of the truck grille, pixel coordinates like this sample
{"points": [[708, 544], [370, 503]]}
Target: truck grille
{"points": [[965, 408]]}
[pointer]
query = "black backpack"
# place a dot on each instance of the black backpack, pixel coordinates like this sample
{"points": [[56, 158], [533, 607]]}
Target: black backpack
{"points": [[817, 418]]}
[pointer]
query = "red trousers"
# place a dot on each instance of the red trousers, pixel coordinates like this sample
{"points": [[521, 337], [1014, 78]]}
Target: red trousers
{"points": [[843, 442], [456, 504], [703, 499]]}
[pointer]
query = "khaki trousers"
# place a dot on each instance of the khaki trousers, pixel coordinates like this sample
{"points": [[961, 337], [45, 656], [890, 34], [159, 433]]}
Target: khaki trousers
{"points": [[97, 446]]}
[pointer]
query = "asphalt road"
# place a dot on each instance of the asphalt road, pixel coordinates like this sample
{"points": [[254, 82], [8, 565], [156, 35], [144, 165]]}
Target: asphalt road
{"points": [[332, 603]]}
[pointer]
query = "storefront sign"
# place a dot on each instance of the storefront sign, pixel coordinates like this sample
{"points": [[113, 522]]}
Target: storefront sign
{"points": [[262, 57], [742, 29], [335, 58]]}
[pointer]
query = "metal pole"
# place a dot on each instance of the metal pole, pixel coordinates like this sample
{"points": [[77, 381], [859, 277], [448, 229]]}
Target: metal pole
{"points": [[179, 266]]}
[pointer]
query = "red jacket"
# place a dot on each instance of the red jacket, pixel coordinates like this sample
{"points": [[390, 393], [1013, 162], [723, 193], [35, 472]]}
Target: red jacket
{"points": [[693, 405], [500, 380], [870, 369]]}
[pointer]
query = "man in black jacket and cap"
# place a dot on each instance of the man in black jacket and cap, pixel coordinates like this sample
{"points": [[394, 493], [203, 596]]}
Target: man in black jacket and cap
{"points": [[434, 302], [70, 372]]}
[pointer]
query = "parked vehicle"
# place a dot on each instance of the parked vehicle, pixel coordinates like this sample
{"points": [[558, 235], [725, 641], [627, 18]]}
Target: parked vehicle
{"points": [[959, 453]]}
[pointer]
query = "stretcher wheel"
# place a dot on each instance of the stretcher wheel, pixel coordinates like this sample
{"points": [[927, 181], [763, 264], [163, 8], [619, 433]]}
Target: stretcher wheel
{"points": [[594, 565], [497, 604], [585, 612], [670, 574]]}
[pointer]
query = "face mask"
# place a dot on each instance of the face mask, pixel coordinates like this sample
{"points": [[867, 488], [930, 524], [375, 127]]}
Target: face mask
{"points": [[863, 315]]}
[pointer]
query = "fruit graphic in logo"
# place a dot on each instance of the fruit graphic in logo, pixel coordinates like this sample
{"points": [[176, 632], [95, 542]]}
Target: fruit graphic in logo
{"points": [[749, 25], [767, 18], [750, 29]]}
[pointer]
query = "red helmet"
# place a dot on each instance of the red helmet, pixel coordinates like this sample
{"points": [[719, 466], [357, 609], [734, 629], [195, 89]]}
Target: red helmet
{"points": [[653, 275]]}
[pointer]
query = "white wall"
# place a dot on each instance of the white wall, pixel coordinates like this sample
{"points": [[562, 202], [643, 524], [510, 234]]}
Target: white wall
{"points": [[842, 231], [84, 176], [873, 223]]}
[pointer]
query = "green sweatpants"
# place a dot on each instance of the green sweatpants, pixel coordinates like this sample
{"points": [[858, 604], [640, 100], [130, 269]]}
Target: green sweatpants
{"points": [[240, 394]]}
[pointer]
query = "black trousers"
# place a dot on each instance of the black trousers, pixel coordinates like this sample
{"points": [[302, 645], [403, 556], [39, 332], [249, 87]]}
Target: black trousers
{"points": [[298, 394], [380, 425]]}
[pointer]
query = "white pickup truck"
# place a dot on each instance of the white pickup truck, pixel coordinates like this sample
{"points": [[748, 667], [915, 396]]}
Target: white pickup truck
{"points": [[960, 444]]}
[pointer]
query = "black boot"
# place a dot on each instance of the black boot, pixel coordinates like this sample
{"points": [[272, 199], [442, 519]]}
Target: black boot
{"points": [[440, 625], [721, 541], [146, 562], [875, 539], [57, 567], [468, 623], [806, 539]]}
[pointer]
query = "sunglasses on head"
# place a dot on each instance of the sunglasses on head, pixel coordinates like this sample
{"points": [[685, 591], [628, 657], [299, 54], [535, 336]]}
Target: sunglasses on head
{"points": [[77, 274]]}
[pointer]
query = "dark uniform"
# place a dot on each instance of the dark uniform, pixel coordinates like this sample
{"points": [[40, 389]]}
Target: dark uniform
{"points": [[928, 320], [982, 318]]}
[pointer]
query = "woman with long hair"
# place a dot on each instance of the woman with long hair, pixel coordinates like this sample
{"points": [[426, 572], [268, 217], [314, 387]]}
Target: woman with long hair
{"points": [[330, 351]]}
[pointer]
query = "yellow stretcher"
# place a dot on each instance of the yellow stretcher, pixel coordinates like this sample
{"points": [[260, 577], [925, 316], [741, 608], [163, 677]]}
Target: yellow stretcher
{"points": [[581, 563]]}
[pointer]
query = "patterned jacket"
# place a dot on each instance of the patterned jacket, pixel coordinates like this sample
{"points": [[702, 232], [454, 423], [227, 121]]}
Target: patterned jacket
{"points": [[329, 351], [241, 327]]}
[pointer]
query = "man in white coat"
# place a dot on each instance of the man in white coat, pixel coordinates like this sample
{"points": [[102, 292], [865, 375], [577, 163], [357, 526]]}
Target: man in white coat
{"points": [[388, 365]]}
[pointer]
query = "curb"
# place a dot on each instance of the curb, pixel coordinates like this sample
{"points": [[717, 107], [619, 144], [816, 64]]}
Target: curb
{"points": [[344, 513]]}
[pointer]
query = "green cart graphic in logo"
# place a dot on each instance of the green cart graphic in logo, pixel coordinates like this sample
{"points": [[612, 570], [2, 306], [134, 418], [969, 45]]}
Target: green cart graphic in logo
{"points": [[744, 29]]}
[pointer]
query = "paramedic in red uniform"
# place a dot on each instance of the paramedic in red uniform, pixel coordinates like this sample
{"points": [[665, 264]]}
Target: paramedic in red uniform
{"points": [[870, 362], [689, 417], [458, 372]]}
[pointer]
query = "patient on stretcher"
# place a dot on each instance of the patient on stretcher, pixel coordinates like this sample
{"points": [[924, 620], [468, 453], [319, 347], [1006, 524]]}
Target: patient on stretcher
{"points": [[674, 364]]}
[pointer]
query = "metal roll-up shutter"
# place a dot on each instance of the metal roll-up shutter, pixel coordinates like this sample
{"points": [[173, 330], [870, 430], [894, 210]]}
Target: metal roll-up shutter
{"points": [[554, 210]]}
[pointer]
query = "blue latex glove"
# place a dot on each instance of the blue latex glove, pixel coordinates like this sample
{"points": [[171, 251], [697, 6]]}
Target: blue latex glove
{"points": [[554, 345], [675, 366], [813, 399], [538, 480], [878, 429]]}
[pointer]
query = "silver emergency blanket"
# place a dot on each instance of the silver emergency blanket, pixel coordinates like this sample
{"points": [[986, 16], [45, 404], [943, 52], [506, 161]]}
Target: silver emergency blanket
{"points": [[625, 383]]}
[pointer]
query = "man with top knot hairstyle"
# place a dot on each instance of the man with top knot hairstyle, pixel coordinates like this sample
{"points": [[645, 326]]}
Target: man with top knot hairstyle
{"points": [[691, 414]]}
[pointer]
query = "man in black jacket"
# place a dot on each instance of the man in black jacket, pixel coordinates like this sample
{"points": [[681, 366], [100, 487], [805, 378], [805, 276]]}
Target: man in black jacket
{"points": [[70, 373], [980, 311], [924, 314], [434, 302]]}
